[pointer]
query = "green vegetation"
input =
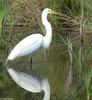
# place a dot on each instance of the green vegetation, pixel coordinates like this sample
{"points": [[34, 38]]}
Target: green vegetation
{"points": [[87, 79], [3, 9], [87, 74], [76, 18]]}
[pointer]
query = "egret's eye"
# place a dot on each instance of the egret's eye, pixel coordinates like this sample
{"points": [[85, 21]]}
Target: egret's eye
{"points": [[50, 11]]}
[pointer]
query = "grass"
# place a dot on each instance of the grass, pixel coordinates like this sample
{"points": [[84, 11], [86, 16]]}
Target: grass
{"points": [[2, 15], [86, 74], [13, 21], [75, 58], [40, 21], [87, 79], [68, 7]]}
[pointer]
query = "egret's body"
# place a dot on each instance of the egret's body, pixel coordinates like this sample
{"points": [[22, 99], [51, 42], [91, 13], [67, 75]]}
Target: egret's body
{"points": [[31, 82], [30, 45]]}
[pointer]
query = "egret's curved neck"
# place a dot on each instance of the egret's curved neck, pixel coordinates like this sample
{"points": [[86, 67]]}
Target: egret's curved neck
{"points": [[46, 88], [46, 96], [48, 28]]}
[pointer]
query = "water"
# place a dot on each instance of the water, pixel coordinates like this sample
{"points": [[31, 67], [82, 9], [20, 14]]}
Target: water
{"points": [[53, 64]]}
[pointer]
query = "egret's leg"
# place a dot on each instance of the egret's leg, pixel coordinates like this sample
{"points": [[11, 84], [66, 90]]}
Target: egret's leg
{"points": [[30, 63]]}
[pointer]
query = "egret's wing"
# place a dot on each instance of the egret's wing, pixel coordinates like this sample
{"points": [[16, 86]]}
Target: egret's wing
{"points": [[26, 81], [32, 80], [33, 45], [26, 47]]}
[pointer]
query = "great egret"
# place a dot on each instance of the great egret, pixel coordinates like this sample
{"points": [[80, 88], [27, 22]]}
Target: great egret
{"points": [[30, 45], [31, 82]]}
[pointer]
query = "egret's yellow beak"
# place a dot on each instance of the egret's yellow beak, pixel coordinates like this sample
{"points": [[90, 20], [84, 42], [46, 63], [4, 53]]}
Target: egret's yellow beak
{"points": [[54, 12]]}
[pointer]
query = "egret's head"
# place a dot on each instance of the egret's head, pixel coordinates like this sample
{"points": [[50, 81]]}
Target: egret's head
{"points": [[47, 11]]}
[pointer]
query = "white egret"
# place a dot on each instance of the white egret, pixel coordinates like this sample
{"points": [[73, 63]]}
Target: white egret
{"points": [[30, 45], [31, 82]]}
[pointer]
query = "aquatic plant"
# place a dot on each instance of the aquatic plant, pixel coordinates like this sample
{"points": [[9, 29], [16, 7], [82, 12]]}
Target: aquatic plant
{"points": [[86, 74], [3, 6], [1, 21], [87, 79]]}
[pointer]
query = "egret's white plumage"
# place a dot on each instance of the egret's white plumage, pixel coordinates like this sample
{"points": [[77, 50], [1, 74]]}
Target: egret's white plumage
{"points": [[30, 45], [26, 47], [31, 82]]}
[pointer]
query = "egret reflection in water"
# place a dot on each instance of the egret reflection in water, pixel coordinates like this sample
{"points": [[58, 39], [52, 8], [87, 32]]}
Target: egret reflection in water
{"points": [[31, 82]]}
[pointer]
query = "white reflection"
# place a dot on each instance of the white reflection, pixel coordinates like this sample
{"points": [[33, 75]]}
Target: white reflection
{"points": [[31, 82]]}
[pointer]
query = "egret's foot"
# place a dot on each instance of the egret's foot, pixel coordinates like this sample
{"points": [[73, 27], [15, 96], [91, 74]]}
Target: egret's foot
{"points": [[30, 67], [30, 72]]}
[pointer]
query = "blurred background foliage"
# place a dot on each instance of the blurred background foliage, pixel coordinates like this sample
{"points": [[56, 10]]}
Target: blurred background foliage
{"points": [[28, 13]]}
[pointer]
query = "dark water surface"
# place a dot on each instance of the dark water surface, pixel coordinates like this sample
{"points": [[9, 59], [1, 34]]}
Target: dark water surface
{"points": [[53, 64]]}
